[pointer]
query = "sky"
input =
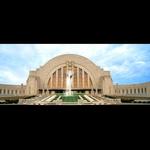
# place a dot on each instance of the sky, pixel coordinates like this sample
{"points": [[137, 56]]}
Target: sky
{"points": [[127, 63]]}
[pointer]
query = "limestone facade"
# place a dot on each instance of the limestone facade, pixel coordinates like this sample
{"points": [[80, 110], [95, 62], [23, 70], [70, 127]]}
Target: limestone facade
{"points": [[87, 77], [12, 90], [142, 89]]}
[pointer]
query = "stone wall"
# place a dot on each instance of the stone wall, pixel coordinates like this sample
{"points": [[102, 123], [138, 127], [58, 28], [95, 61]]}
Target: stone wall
{"points": [[142, 89], [12, 90]]}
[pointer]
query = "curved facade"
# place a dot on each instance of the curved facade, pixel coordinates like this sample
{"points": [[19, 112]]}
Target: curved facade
{"points": [[87, 78]]}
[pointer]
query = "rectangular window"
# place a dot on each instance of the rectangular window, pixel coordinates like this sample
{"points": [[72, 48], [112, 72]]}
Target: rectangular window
{"points": [[59, 78], [142, 90], [80, 78], [75, 77], [85, 79], [54, 80], [134, 91], [130, 91], [64, 76]]}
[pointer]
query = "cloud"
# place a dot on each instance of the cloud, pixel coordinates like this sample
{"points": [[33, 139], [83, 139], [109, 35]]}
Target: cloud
{"points": [[8, 76], [127, 62], [46, 52]]}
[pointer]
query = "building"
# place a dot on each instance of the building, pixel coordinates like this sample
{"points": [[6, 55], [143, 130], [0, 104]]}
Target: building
{"points": [[87, 78], [136, 90], [51, 77], [12, 90]]}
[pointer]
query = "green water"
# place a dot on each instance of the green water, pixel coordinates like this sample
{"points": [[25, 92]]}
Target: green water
{"points": [[72, 98]]}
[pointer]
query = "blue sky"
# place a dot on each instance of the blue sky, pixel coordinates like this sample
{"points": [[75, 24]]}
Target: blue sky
{"points": [[128, 63]]}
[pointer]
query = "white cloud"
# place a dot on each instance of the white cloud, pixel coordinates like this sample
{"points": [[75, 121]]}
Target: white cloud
{"points": [[10, 77], [140, 62], [46, 52], [123, 60]]}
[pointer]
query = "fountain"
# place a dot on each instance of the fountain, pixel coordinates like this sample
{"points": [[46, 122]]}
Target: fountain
{"points": [[69, 83], [69, 96]]}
